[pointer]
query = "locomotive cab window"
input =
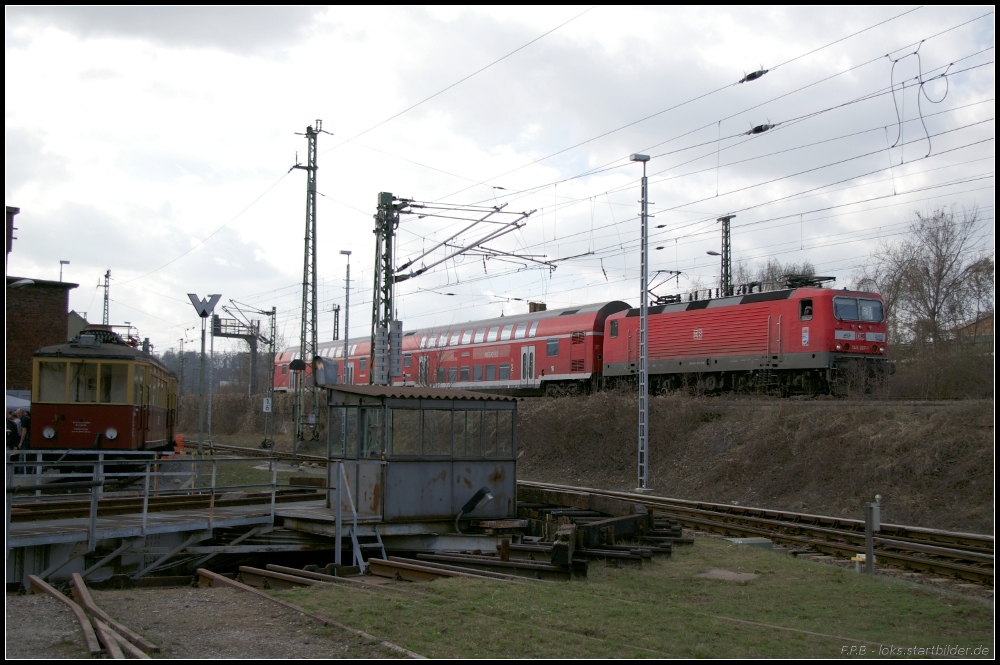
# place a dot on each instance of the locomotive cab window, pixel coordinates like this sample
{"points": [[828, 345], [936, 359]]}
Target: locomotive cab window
{"points": [[806, 309], [614, 329], [858, 309]]}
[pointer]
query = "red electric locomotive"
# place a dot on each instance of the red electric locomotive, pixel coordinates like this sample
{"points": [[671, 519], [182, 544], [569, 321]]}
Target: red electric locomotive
{"points": [[101, 392], [801, 340]]}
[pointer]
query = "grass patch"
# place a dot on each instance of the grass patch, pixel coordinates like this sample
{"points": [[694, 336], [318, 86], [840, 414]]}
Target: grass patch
{"points": [[663, 611]]}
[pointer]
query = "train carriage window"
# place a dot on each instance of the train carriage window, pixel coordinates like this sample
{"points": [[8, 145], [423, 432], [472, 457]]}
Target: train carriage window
{"points": [[440, 375], [504, 371], [806, 309], [114, 383], [491, 372], [614, 329], [491, 336], [452, 374], [364, 364], [552, 347], [284, 370], [464, 376], [520, 331], [533, 329], [83, 382], [454, 338], [467, 337], [505, 333], [138, 384], [51, 382], [432, 341], [480, 334], [423, 341], [477, 372], [408, 360]]}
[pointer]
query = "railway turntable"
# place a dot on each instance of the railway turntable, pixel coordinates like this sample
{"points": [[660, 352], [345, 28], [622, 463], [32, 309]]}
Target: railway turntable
{"points": [[415, 469]]}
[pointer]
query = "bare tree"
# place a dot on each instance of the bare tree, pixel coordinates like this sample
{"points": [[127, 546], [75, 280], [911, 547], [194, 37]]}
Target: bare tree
{"points": [[934, 279]]}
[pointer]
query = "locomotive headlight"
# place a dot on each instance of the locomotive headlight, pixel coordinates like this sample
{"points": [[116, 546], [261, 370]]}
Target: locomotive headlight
{"points": [[49, 433], [839, 346], [881, 349], [111, 434]]}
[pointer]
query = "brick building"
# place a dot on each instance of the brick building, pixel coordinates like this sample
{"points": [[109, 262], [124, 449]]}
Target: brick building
{"points": [[36, 317]]}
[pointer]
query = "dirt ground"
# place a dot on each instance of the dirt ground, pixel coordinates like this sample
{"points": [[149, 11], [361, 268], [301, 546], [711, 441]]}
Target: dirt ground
{"points": [[185, 623]]}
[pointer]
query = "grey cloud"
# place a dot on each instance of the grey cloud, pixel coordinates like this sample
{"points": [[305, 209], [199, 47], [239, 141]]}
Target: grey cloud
{"points": [[27, 161], [244, 30]]}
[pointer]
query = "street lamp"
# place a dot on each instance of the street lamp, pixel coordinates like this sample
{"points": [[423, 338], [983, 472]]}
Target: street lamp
{"points": [[643, 335], [61, 264], [347, 309]]}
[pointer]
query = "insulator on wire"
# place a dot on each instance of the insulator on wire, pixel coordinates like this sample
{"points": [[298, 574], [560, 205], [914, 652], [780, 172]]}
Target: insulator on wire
{"points": [[760, 129], [753, 76]]}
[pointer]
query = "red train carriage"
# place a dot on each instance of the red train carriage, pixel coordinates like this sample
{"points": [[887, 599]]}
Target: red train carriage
{"points": [[797, 340], [555, 351], [99, 392]]}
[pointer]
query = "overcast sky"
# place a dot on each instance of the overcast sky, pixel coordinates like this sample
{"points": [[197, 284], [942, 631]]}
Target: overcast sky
{"points": [[157, 143]]}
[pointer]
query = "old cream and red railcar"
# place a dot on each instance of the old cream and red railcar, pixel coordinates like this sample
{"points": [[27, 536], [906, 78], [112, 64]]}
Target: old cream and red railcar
{"points": [[554, 351], [99, 392], [797, 340]]}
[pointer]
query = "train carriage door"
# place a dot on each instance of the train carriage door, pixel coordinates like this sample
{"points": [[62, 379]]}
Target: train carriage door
{"points": [[775, 335], [527, 365]]}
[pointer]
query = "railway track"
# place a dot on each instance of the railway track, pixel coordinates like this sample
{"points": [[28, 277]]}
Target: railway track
{"points": [[267, 453], [962, 555]]}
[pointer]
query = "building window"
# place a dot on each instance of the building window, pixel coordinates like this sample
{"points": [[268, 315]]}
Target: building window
{"points": [[552, 347]]}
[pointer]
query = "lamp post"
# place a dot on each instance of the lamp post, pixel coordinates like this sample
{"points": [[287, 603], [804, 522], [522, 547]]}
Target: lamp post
{"points": [[61, 264], [204, 309], [347, 309], [643, 335]]}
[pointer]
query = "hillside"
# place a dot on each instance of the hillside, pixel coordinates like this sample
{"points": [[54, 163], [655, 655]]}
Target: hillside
{"points": [[932, 462]]}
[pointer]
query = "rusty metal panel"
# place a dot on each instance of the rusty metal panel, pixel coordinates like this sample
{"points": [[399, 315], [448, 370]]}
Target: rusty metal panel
{"points": [[438, 489], [365, 482]]}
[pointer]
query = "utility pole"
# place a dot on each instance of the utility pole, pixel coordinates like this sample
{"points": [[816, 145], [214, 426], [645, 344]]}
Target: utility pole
{"points": [[107, 279], [726, 276], [643, 334], [386, 332], [307, 398]]}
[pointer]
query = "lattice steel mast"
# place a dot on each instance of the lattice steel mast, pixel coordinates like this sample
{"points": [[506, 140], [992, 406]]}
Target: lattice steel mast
{"points": [[307, 397]]}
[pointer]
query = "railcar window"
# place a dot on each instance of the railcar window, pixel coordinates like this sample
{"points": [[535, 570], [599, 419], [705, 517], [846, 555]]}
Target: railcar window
{"points": [[408, 360], [614, 329], [467, 337], [465, 374], [454, 338], [423, 341], [504, 371], [284, 370], [51, 382], [491, 372], [480, 334], [477, 373], [491, 336], [83, 383], [432, 341], [364, 364], [114, 383], [138, 384], [533, 329], [452, 374], [552, 347], [505, 333], [806, 309], [440, 374], [521, 329]]}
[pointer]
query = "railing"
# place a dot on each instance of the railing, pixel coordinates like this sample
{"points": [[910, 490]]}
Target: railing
{"points": [[51, 481]]}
